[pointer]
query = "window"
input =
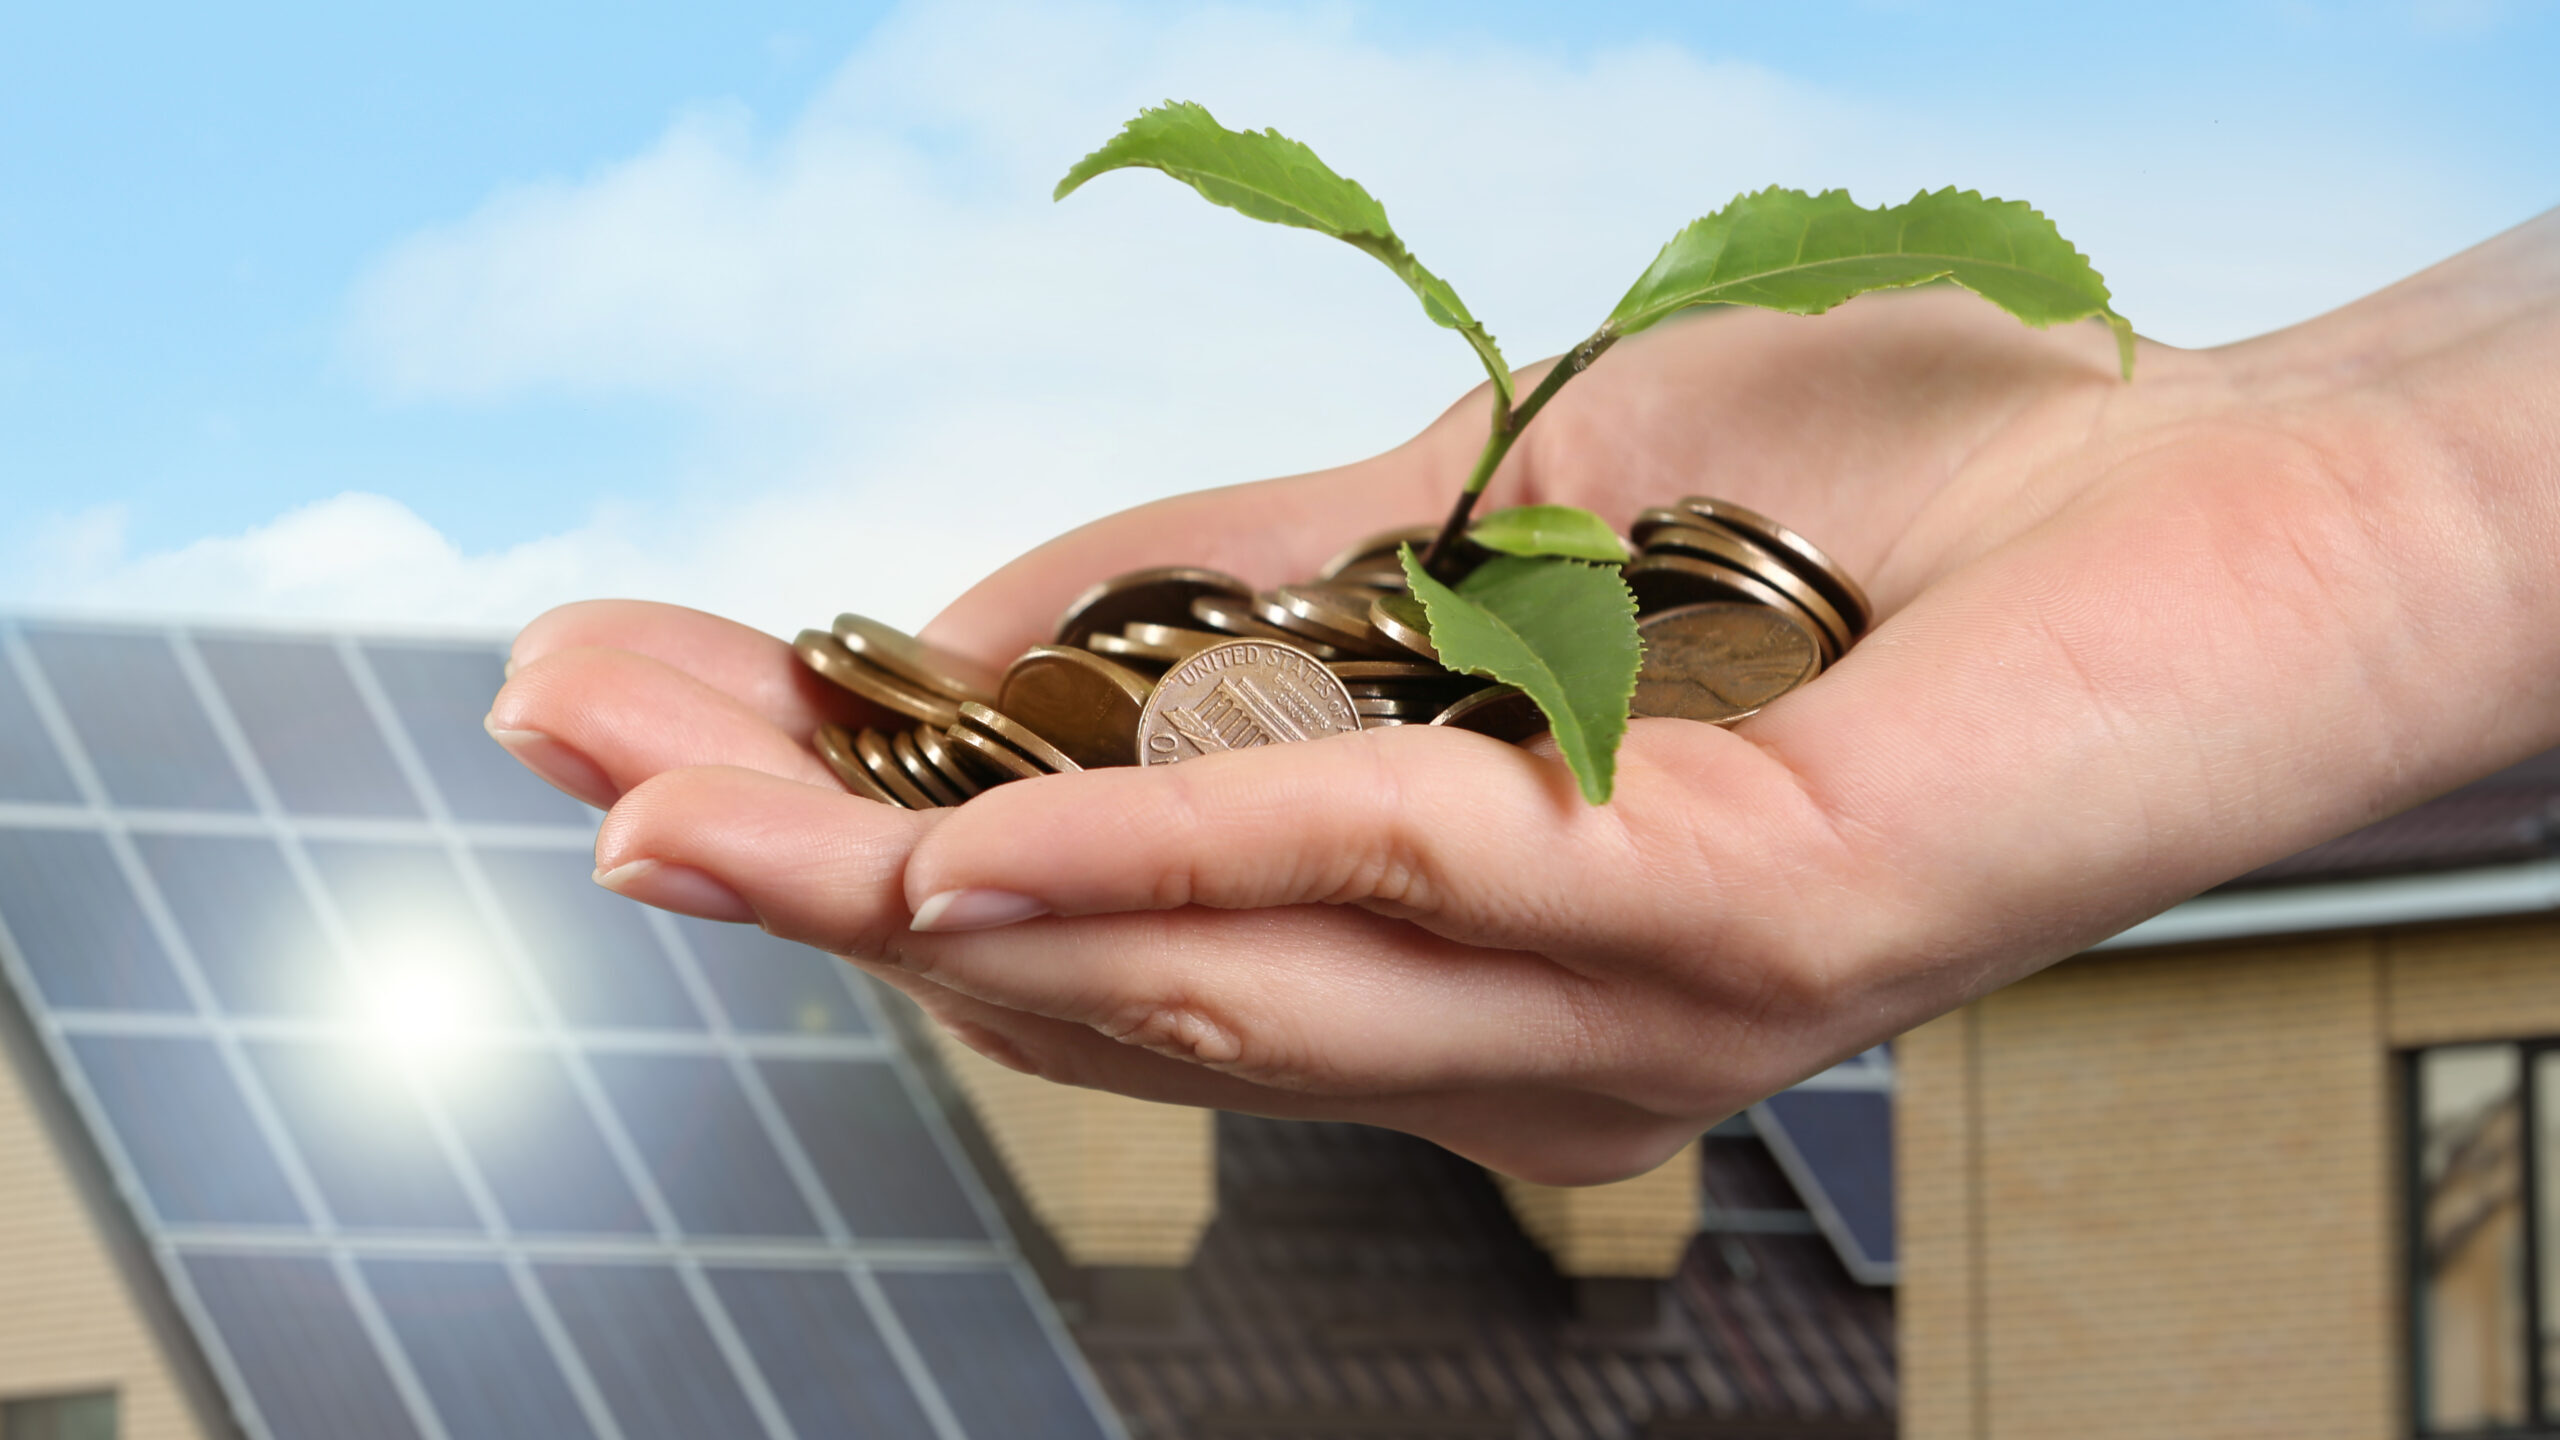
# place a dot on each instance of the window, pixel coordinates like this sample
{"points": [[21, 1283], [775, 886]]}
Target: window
{"points": [[2485, 1239], [60, 1417]]}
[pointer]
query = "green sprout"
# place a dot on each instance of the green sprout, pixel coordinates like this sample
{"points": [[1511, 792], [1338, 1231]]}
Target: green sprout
{"points": [[1551, 614]]}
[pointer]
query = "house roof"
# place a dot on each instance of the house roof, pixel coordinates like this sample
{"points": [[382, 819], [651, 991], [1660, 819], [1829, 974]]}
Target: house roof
{"points": [[1359, 1282], [2510, 817]]}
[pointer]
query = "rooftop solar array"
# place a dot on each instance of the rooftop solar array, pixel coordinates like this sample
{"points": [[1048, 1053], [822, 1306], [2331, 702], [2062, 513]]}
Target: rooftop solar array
{"points": [[431, 1138]]}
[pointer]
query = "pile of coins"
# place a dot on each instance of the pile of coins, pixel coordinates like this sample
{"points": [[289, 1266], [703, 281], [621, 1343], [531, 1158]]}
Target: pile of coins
{"points": [[1163, 665]]}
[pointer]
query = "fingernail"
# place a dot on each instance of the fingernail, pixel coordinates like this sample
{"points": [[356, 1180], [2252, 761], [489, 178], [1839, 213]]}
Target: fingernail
{"points": [[975, 910], [557, 763], [511, 667], [680, 888]]}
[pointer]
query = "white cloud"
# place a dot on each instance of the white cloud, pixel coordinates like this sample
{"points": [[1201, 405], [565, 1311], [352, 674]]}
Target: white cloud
{"points": [[916, 362]]}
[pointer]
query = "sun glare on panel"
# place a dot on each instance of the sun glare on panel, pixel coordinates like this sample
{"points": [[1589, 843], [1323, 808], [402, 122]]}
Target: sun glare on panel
{"points": [[416, 1007]]}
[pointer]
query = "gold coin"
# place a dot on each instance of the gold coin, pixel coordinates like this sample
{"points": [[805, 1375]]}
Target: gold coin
{"points": [[1499, 711], [1080, 702], [1719, 546], [835, 746], [1721, 662], [1003, 729], [1237, 618], [934, 745], [926, 666], [1239, 696], [1160, 596], [1401, 619], [873, 747], [1818, 569], [828, 656]]}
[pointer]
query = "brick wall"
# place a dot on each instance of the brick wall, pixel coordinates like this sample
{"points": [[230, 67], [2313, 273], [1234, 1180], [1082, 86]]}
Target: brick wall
{"points": [[2156, 1194]]}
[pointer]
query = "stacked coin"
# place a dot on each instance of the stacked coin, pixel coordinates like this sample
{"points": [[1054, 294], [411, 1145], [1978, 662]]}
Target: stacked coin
{"points": [[1163, 665]]}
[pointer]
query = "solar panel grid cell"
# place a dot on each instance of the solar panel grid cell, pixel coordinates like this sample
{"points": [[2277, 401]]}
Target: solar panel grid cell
{"points": [[772, 986], [476, 1350], [187, 1131], [955, 1317], [359, 1129], [301, 715], [299, 1345], [441, 695], [871, 1149], [595, 954], [80, 927], [830, 1369], [30, 771], [254, 935], [654, 1359], [536, 1146], [704, 1146], [136, 714]]}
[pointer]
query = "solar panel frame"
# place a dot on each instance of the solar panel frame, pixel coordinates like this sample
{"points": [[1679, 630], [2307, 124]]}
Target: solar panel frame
{"points": [[838, 1249]]}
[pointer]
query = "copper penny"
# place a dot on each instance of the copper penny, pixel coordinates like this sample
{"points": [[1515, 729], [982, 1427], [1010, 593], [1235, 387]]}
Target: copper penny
{"points": [[1160, 596], [902, 748], [873, 747], [1385, 543], [1720, 662], [926, 666], [1499, 711], [1237, 618], [1719, 546], [1818, 569], [828, 656], [1667, 582], [835, 746], [1131, 653], [1005, 730], [1402, 619], [935, 746], [998, 761], [1186, 643], [1240, 695], [1080, 702]]}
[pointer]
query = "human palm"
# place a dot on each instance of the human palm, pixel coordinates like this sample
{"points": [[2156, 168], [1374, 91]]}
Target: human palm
{"points": [[2134, 639]]}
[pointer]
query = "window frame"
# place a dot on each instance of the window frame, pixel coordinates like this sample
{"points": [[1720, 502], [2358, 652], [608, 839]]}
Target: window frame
{"points": [[2540, 1398]]}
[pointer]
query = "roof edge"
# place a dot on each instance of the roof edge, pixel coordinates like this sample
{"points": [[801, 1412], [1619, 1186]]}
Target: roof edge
{"points": [[2531, 888]]}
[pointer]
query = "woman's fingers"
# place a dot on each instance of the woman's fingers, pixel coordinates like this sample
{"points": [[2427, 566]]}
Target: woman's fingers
{"points": [[597, 722], [1537, 1132], [1297, 997], [738, 660]]}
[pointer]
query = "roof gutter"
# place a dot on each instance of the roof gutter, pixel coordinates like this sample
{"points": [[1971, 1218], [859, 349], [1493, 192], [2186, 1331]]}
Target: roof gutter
{"points": [[2527, 889]]}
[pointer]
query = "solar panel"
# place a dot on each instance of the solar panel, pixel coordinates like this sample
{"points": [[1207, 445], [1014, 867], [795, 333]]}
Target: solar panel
{"points": [[1833, 1135], [431, 1137]]}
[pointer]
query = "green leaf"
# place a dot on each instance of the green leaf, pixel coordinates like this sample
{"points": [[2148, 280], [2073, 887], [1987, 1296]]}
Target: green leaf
{"points": [[1270, 177], [1786, 250], [1564, 530], [1563, 631]]}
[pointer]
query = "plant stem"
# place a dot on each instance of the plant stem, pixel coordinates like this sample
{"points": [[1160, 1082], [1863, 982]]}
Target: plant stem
{"points": [[1507, 425]]}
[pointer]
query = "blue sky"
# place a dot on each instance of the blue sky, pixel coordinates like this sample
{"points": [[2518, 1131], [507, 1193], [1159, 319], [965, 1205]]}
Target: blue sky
{"points": [[466, 310]]}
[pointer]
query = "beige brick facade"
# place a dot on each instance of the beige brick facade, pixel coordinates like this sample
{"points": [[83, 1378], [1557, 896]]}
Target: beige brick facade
{"points": [[2156, 1194], [1635, 1227], [1116, 1181], [69, 1321]]}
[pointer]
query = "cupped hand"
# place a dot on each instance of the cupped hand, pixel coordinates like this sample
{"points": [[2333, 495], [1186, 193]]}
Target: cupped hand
{"points": [[2136, 639]]}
